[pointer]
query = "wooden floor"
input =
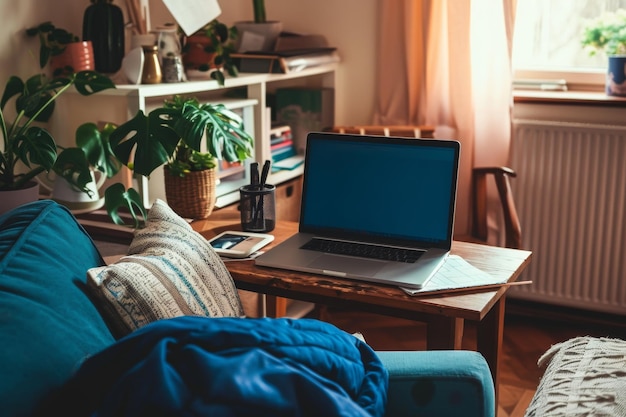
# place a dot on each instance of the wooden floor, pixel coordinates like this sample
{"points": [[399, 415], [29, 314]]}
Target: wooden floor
{"points": [[530, 329]]}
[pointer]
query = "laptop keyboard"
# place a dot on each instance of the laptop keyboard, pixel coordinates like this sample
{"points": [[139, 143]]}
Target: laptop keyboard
{"points": [[363, 250]]}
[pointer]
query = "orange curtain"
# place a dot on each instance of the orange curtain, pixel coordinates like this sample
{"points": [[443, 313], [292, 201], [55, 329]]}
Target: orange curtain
{"points": [[447, 63]]}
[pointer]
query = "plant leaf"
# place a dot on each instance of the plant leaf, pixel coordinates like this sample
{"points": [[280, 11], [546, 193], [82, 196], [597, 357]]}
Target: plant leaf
{"points": [[116, 197], [37, 147], [152, 139], [72, 165], [14, 86], [91, 82]]}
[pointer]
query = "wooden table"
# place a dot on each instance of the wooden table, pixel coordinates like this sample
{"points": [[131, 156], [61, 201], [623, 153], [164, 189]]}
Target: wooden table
{"points": [[444, 314]]}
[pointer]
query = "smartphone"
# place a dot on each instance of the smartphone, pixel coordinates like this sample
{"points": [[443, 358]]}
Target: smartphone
{"points": [[235, 244]]}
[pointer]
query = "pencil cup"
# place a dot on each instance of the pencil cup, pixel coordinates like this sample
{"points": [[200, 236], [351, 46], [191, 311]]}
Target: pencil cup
{"points": [[258, 208]]}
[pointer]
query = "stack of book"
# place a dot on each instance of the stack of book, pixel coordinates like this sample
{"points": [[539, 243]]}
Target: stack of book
{"points": [[282, 147]]}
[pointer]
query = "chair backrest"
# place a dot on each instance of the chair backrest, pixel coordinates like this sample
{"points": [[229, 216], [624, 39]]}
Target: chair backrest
{"points": [[501, 175], [404, 131], [512, 226]]}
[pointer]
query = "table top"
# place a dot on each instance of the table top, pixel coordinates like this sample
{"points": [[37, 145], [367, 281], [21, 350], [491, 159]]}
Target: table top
{"points": [[506, 264]]}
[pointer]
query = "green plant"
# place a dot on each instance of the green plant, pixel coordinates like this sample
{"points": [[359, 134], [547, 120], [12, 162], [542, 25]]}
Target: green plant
{"points": [[23, 140], [92, 151], [259, 11], [52, 40], [221, 43], [172, 135], [606, 33]]}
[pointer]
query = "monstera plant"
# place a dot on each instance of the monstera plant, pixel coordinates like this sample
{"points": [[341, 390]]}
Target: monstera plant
{"points": [[172, 136]]}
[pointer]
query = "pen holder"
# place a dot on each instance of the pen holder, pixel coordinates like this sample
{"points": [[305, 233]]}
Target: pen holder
{"points": [[258, 208]]}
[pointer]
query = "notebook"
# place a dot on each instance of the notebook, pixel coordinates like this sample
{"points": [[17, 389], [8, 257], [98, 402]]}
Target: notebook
{"points": [[377, 196]]}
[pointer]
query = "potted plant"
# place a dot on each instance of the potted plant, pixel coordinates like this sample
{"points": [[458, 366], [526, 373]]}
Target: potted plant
{"points": [[30, 149], [607, 34], [76, 185], [210, 49], [260, 34], [65, 52], [171, 136]]}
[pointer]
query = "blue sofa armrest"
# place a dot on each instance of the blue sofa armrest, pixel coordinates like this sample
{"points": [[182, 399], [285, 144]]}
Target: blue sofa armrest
{"points": [[438, 384]]}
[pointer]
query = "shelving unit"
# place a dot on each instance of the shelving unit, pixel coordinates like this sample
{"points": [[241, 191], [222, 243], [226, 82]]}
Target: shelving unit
{"points": [[251, 90]]}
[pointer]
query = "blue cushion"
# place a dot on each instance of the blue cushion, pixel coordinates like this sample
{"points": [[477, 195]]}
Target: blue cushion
{"points": [[48, 324]]}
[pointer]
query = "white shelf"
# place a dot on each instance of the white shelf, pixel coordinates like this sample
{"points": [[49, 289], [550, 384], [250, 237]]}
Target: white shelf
{"points": [[122, 103]]}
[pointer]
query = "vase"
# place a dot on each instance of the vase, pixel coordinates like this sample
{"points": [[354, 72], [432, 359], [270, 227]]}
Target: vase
{"points": [[103, 25], [11, 199], [616, 76], [77, 56], [151, 72], [192, 196]]}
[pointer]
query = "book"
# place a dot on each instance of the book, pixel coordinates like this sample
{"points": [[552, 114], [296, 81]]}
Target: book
{"points": [[281, 144], [283, 153], [280, 133], [284, 62], [289, 163]]}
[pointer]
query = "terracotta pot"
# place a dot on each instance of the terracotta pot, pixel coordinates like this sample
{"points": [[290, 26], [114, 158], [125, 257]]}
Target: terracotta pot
{"points": [[195, 57], [13, 198], [192, 196], [77, 56]]}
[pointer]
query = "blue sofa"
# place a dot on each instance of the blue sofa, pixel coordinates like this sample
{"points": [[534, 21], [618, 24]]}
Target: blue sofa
{"points": [[50, 325]]}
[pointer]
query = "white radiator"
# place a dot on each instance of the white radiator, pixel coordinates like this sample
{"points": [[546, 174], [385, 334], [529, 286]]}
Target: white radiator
{"points": [[571, 197]]}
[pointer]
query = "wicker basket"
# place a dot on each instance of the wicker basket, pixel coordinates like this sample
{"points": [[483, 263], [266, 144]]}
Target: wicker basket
{"points": [[191, 196]]}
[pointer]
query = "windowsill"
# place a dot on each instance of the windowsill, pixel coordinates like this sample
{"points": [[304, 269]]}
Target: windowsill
{"points": [[568, 97]]}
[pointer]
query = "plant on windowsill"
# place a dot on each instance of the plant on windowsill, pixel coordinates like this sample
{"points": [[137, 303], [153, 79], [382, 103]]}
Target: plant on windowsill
{"points": [[171, 136], [607, 33], [210, 49], [29, 149]]}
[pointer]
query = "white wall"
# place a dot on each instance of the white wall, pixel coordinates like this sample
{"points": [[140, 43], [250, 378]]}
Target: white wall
{"points": [[350, 25]]}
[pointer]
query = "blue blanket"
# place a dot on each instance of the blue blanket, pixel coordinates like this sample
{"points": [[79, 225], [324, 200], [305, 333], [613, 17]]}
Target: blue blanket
{"points": [[197, 366]]}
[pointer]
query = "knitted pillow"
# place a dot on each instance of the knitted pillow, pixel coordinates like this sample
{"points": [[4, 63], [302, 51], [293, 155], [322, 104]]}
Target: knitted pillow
{"points": [[170, 271]]}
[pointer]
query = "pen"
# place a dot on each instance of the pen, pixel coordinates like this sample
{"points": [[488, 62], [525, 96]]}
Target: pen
{"points": [[265, 172], [254, 173]]}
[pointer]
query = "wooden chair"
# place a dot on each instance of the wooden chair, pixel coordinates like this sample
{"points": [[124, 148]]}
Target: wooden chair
{"points": [[512, 227], [501, 175], [404, 131]]}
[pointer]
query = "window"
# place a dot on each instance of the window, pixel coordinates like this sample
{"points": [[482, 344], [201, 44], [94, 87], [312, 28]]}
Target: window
{"points": [[546, 42]]}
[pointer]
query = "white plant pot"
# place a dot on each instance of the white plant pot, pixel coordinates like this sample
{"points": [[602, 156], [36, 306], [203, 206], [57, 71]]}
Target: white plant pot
{"points": [[15, 198]]}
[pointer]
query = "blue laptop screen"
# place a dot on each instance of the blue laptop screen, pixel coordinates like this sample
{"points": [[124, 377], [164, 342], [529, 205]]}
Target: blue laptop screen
{"points": [[387, 189]]}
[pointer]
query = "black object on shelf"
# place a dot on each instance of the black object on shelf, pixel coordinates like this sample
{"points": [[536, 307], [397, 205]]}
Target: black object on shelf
{"points": [[103, 25]]}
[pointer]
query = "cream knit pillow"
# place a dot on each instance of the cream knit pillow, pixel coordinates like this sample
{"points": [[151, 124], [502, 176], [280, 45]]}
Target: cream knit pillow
{"points": [[170, 271]]}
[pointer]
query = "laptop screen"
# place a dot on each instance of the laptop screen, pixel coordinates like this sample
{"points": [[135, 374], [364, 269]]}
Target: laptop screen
{"points": [[380, 189]]}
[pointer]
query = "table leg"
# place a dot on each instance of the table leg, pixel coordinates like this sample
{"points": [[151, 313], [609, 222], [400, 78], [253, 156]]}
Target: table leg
{"points": [[489, 339], [444, 333], [275, 306]]}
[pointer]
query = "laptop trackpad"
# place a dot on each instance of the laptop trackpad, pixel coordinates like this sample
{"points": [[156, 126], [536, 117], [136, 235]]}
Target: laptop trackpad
{"points": [[347, 265]]}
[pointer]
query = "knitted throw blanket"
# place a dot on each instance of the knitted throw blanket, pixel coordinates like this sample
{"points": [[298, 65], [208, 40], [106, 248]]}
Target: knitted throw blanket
{"points": [[585, 376]]}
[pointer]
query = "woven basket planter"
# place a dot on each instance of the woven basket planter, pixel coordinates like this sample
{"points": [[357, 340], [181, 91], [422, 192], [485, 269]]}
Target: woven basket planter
{"points": [[191, 196]]}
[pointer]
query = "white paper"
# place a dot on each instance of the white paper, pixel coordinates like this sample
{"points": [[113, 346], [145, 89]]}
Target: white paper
{"points": [[456, 273], [191, 15]]}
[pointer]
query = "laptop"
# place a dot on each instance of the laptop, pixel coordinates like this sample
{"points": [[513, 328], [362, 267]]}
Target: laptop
{"points": [[374, 208]]}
